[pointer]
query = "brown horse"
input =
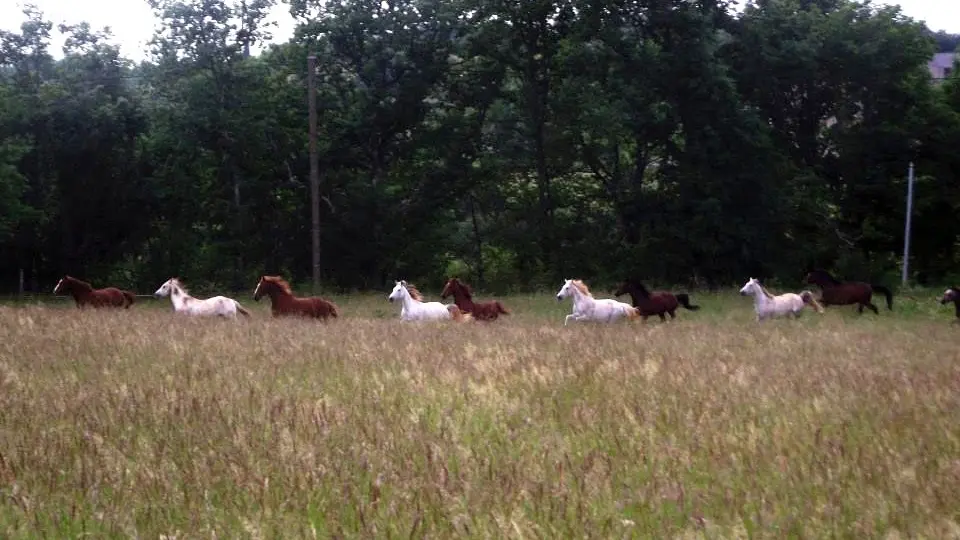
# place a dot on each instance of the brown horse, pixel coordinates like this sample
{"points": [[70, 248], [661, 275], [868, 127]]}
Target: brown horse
{"points": [[463, 297], [654, 303], [283, 302], [843, 293], [84, 294], [952, 295]]}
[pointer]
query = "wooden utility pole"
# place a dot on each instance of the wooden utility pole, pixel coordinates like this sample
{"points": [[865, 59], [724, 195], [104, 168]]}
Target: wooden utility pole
{"points": [[314, 169], [906, 227]]}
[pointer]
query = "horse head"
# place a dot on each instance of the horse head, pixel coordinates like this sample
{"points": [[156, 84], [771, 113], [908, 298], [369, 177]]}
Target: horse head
{"points": [[258, 292], [950, 295], [622, 289], [166, 289], [750, 287], [397, 293], [449, 287], [566, 290]]}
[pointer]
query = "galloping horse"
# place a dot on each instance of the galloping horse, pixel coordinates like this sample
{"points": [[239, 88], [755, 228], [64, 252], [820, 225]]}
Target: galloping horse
{"points": [[768, 306], [655, 303], [211, 307], [463, 297], [952, 295], [283, 302], [843, 293], [415, 309], [587, 308], [84, 294]]}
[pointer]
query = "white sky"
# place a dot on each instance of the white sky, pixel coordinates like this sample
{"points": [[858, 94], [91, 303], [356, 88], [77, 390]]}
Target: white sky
{"points": [[132, 22]]}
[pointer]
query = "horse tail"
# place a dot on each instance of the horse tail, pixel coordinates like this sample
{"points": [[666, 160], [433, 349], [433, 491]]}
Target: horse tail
{"points": [[129, 298], [809, 300], [334, 310], [501, 309], [886, 292], [684, 300], [241, 310]]}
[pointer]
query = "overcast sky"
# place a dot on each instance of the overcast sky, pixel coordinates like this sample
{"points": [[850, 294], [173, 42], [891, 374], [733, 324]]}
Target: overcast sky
{"points": [[132, 22]]}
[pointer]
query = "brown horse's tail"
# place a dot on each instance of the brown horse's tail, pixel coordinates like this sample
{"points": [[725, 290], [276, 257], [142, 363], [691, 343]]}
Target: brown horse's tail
{"points": [[334, 310], [129, 298], [811, 301], [684, 300], [886, 292], [241, 310], [501, 309]]}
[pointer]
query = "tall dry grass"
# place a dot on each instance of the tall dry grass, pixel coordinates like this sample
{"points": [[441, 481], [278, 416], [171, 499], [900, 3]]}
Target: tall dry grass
{"points": [[142, 423]]}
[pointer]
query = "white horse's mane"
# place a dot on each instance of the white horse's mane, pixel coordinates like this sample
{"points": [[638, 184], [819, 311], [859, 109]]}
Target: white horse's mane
{"points": [[412, 290], [582, 287], [175, 282], [765, 291]]}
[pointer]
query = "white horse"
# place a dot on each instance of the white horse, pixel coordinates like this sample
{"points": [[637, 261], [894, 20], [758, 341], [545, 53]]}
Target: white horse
{"points": [[769, 306], [210, 307], [413, 308], [587, 308]]}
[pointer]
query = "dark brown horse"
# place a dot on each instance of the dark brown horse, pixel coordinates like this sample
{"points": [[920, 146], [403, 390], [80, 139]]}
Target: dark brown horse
{"points": [[85, 295], [463, 298], [654, 303], [952, 295], [283, 302], [843, 293]]}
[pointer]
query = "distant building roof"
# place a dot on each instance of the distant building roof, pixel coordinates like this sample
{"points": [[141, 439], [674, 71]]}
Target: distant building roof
{"points": [[943, 59], [941, 64]]}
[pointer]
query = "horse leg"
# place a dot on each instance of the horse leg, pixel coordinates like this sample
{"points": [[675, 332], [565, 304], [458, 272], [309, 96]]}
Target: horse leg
{"points": [[672, 313], [860, 309], [663, 318], [873, 307], [567, 319]]}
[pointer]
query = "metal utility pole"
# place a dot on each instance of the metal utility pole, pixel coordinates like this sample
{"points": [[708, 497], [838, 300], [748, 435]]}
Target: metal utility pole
{"points": [[906, 231], [314, 169]]}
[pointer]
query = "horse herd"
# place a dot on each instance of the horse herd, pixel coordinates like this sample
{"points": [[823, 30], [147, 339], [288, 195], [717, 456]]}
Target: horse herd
{"points": [[644, 303]]}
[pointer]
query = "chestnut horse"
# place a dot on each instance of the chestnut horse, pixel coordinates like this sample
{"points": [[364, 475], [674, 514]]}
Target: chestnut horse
{"points": [[84, 294], [463, 297], [843, 293], [655, 303], [952, 295], [283, 302]]}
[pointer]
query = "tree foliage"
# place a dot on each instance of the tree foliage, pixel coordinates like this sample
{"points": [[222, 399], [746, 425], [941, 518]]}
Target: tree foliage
{"points": [[510, 142]]}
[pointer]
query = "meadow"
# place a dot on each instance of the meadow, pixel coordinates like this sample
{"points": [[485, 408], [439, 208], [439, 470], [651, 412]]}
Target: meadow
{"points": [[142, 423]]}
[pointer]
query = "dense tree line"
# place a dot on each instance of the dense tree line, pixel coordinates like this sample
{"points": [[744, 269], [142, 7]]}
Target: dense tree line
{"points": [[509, 142]]}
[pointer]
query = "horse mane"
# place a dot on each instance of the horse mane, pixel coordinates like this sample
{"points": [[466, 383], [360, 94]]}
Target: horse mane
{"points": [[74, 281], [464, 287], [582, 287], [414, 293], [765, 291], [279, 282], [826, 275], [179, 284]]}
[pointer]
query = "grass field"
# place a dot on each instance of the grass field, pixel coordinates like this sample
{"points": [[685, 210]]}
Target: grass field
{"points": [[145, 424]]}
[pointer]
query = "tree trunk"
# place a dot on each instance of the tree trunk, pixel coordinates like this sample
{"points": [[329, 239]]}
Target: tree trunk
{"points": [[545, 197], [478, 242]]}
